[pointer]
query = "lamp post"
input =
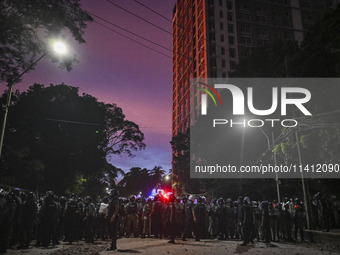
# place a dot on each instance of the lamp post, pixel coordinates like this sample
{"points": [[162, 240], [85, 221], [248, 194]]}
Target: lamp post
{"points": [[59, 48], [276, 175]]}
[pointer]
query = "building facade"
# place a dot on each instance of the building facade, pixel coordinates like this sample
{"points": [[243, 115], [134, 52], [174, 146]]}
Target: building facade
{"points": [[211, 36]]}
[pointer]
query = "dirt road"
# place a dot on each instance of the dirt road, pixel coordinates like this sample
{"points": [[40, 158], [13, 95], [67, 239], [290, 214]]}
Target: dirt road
{"points": [[159, 247]]}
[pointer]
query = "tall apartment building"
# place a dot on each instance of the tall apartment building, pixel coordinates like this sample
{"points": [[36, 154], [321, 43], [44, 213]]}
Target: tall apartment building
{"points": [[211, 36]]}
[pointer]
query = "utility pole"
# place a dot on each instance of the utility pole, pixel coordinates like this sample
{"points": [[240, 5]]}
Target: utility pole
{"points": [[9, 96], [274, 156], [300, 158]]}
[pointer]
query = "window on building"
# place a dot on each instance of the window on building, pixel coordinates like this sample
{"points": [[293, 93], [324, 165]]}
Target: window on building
{"points": [[229, 5], [245, 30], [246, 40], [262, 33], [230, 16], [231, 40], [221, 14], [232, 65], [232, 52], [230, 28], [244, 16], [224, 75], [261, 19], [223, 63], [262, 42], [222, 38], [221, 26], [220, 3]]}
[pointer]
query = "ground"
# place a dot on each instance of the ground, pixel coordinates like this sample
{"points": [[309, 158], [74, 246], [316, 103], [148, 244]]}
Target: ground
{"points": [[159, 247]]}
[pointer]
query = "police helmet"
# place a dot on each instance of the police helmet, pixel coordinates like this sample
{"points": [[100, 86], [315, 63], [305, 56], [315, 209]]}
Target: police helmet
{"points": [[192, 198], [50, 194], [220, 201], [105, 200], [114, 193], [73, 195], [229, 201], [246, 201]]}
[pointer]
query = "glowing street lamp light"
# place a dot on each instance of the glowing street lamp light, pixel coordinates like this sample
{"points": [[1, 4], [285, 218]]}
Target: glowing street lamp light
{"points": [[167, 177], [59, 48]]}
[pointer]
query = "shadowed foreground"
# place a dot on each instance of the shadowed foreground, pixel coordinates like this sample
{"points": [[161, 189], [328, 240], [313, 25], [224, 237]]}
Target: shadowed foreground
{"points": [[159, 247]]}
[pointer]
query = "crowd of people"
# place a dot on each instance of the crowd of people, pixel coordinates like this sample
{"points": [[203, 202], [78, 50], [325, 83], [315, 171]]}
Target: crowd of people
{"points": [[52, 219]]}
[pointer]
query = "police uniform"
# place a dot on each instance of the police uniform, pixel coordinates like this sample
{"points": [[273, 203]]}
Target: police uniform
{"points": [[131, 211], [156, 217], [146, 221], [71, 215], [113, 206]]}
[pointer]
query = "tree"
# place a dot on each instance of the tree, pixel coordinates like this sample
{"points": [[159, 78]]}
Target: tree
{"points": [[157, 174], [141, 180], [25, 26], [55, 136], [135, 181]]}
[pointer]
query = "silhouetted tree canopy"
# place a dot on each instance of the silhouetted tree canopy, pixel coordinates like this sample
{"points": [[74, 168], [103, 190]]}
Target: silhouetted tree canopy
{"points": [[55, 136], [141, 180]]}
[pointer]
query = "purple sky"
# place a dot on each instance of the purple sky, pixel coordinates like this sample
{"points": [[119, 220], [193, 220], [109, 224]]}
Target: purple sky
{"points": [[117, 70]]}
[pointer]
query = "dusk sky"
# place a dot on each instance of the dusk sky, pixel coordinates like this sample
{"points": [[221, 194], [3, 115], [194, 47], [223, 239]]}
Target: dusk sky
{"points": [[117, 70]]}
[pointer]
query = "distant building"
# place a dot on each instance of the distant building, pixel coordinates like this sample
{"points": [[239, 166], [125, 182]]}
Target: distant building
{"points": [[210, 36]]}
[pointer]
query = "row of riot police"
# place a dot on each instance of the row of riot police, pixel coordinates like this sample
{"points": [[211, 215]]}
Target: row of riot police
{"points": [[224, 219], [50, 219], [47, 220]]}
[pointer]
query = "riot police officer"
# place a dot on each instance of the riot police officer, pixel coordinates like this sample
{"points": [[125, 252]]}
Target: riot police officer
{"points": [[265, 222], [230, 226], [189, 219], [221, 216], [89, 212], [247, 221], [71, 216], [180, 215], [171, 211], [28, 220], [132, 214], [299, 219], [113, 215], [156, 216], [199, 213], [49, 216], [146, 221]]}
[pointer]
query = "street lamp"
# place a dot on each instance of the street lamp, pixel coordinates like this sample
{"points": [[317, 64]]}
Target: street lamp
{"points": [[59, 48], [167, 177]]}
